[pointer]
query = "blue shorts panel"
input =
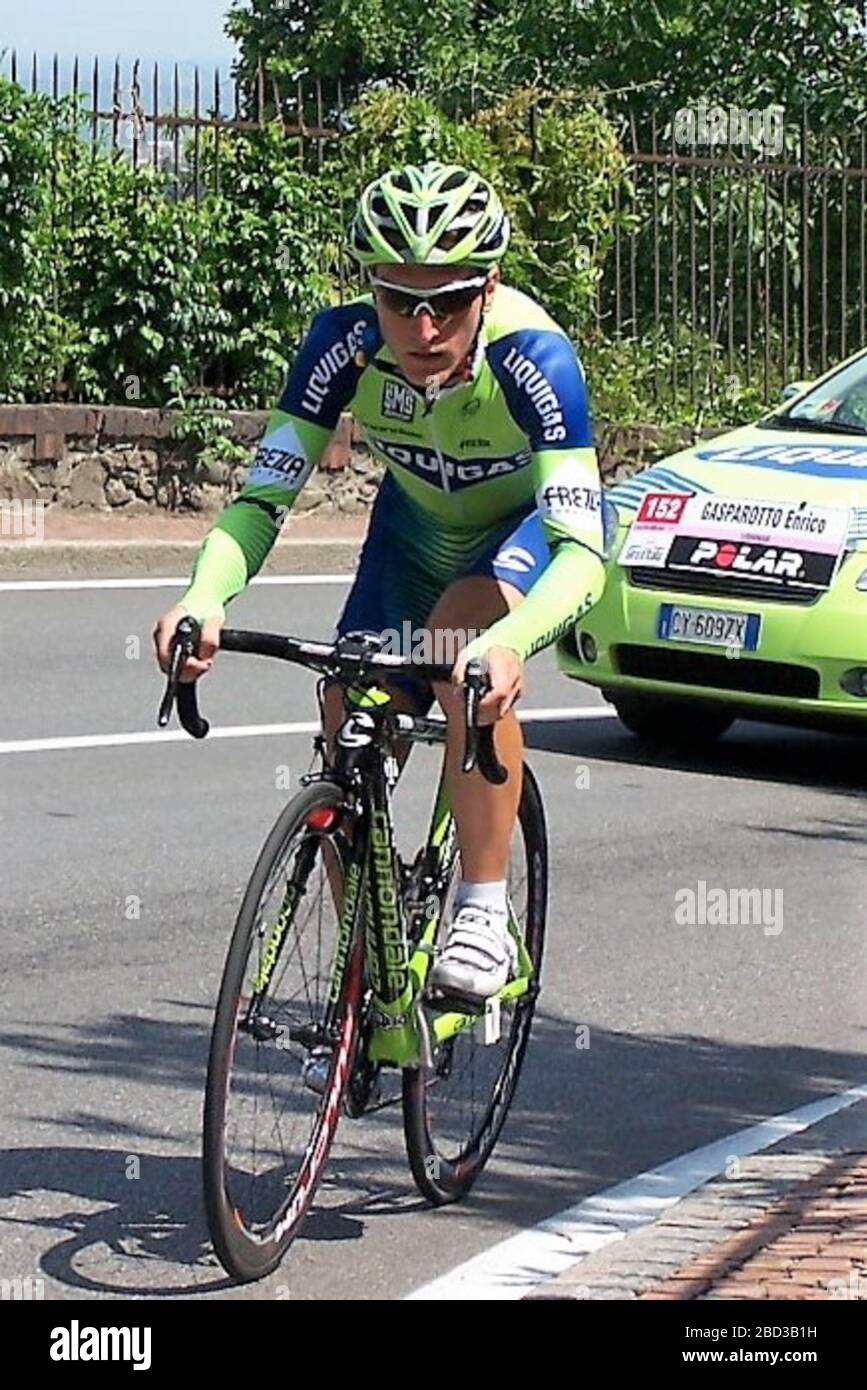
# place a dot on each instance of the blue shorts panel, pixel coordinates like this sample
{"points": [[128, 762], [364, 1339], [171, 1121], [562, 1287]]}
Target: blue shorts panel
{"points": [[519, 558], [393, 587]]}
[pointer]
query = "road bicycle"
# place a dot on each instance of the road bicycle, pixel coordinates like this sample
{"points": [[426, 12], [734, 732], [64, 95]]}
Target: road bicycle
{"points": [[324, 991]]}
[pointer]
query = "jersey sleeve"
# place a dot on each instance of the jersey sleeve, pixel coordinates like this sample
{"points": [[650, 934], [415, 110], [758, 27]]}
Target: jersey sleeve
{"points": [[543, 383], [319, 387]]}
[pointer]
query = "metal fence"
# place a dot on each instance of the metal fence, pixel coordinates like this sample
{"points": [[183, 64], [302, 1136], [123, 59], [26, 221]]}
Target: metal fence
{"points": [[157, 117], [753, 267], [730, 268]]}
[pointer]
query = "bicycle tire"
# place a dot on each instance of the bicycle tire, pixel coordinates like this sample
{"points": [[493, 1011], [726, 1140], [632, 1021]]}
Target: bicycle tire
{"points": [[247, 1253], [443, 1177]]}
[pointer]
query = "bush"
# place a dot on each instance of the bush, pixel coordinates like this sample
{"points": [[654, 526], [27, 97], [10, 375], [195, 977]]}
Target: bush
{"points": [[113, 288], [34, 136], [271, 249]]}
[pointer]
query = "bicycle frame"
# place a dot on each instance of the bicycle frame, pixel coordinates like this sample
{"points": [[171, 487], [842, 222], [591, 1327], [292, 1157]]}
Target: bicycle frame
{"points": [[397, 961]]}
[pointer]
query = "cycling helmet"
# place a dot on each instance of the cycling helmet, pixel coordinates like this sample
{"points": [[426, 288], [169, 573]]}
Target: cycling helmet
{"points": [[433, 214]]}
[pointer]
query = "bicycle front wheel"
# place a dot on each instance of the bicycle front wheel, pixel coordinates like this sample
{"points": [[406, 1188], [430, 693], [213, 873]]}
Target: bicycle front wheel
{"points": [[453, 1113], [284, 1037]]}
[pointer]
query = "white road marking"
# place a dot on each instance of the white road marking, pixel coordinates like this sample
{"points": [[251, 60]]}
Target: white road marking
{"points": [[513, 1267], [54, 745], [52, 585]]}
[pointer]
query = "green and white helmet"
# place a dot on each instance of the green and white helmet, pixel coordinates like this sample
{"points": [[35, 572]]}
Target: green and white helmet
{"points": [[434, 214]]}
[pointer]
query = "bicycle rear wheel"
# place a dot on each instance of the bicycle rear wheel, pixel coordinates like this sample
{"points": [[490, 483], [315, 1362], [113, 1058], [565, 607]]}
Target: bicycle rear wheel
{"points": [[284, 1023], [453, 1113]]}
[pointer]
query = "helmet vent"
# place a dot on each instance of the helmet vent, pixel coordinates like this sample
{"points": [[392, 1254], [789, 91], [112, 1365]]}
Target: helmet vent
{"points": [[450, 238], [392, 234], [453, 181]]}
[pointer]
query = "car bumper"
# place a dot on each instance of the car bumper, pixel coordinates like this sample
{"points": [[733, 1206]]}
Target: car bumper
{"points": [[804, 649]]}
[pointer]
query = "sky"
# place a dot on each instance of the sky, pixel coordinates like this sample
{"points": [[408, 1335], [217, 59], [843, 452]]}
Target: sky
{"points": [[170, 30]]}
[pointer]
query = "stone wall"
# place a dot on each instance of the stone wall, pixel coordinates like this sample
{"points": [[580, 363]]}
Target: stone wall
{"points": [[131, 460]]}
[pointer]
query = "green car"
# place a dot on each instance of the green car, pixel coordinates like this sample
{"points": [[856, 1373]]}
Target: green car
{"points": [[737, 576]]}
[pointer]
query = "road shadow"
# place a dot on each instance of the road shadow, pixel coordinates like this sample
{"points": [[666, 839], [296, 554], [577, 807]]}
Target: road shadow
{"points": [[590, 1111], [757, 752], [150, 1217]]}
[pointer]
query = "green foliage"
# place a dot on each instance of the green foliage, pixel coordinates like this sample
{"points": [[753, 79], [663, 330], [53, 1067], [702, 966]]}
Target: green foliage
{"points": [[655, 54], [133, 285], [271, 247], [203, 423], [634, 378], [32, 131], [568, 178], [109, 282], [418, 41], [115, 288]]}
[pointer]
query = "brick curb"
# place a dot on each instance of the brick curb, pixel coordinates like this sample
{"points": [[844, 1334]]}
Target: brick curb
{"points": [[790, 1222], [802, 1245]]}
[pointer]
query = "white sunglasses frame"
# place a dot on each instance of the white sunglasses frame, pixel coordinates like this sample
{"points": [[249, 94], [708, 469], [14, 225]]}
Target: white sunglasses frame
{"points": [[431, 293]]}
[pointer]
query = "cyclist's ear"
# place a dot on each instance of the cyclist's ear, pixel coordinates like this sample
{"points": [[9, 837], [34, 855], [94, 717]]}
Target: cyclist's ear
{"points": [[490, 288]]}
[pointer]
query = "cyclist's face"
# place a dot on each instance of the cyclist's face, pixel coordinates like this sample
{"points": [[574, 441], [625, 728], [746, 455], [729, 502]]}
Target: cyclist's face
{"points": [[426, 349]]}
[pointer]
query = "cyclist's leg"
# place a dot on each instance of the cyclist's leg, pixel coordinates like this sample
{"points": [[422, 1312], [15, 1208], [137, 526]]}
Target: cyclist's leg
{"points": [[485, 814]]}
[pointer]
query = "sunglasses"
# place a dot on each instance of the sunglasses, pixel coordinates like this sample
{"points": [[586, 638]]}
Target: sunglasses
{"points": [[442, 303]]}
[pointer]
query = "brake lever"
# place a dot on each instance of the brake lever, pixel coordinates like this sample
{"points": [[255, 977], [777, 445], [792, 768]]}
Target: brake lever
{"points": [[479, 749], [185, 643]]}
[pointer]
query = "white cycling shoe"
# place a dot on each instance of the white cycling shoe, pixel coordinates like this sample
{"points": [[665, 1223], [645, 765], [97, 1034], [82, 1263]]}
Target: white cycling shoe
{"points": [[479, 956]]}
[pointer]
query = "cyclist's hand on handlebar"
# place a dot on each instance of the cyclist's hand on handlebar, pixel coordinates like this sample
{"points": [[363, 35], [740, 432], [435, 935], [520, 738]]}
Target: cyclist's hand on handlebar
{"points": [[506, 674], [208, 643]]}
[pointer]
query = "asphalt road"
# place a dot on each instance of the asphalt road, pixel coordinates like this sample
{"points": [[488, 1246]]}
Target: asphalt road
{"points": [[695, 1031]]}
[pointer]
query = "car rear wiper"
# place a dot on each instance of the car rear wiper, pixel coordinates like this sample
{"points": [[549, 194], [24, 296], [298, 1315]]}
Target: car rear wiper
{"points": [[800, 422]]}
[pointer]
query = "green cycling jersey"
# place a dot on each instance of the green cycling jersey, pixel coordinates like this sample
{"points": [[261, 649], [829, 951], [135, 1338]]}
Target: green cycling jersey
{"points": [[513, 435]]}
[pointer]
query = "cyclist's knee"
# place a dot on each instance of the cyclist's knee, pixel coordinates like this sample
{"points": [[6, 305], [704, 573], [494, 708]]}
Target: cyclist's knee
{"points": [[451, 702], [471, 602], [333, 715]]}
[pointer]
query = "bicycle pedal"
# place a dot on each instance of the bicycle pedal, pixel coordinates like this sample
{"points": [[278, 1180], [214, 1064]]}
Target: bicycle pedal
{"points": [[489, 1027], [451, 1001]]}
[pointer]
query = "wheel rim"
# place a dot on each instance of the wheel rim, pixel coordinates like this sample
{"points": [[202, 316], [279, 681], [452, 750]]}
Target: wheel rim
{"points": [[274, 1126], [466, 1098]]}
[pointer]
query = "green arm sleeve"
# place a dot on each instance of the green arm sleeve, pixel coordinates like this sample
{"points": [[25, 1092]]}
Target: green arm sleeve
{"points": [[569, 498], [569, 587], [239, 542], [219, 574]]}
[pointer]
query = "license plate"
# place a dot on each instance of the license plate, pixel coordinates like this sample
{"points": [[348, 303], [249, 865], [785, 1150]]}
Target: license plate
{"points": [[715, 626]]}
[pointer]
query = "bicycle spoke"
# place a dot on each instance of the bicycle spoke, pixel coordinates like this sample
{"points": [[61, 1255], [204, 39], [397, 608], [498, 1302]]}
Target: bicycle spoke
{"points": [[264, 1112]]}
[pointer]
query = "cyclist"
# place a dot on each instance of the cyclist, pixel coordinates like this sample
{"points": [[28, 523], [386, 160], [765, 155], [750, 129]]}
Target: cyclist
{"points": [[489, 516]]}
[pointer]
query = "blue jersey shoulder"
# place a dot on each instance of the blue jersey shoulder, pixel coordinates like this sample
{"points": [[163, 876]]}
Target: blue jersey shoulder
{"points": [[543, 383], [325, 374]]}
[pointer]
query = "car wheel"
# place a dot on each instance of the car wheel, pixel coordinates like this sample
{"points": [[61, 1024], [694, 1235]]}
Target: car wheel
{"points": [[672, 723]]}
